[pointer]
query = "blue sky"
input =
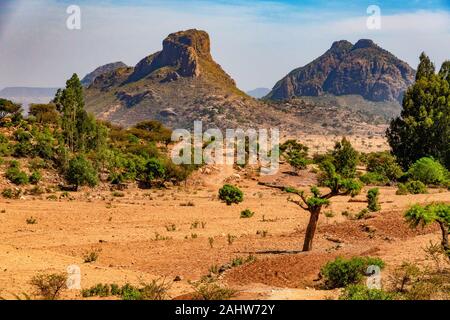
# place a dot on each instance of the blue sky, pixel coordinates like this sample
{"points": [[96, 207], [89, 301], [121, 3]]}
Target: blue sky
{"points": [[256, 42]]}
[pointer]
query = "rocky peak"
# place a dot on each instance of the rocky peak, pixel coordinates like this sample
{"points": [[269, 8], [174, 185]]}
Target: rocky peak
{"points": [[363, 69], [181, 56], [364, 43], [341, 46]]}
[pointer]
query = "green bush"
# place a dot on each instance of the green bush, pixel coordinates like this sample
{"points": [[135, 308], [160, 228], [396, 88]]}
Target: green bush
{"points": [[11, 194], [373, 200], [384, 164], [35, 177], [428, 171], [345, 158], [416, 187], [343, 272], [231, 194], [375, 179], [81, 172], [16, 176], [361, 292], [247, 213]]}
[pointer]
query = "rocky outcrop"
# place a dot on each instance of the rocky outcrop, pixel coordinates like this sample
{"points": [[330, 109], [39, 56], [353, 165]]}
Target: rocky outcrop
{"points": [[184, 54], [345, 69], [100, 71]]}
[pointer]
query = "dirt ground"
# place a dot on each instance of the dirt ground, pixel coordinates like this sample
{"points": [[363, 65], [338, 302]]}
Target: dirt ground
{"points": [[134, 237]]}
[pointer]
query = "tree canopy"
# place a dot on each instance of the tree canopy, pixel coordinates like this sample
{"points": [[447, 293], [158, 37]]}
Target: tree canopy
{"points": [[423, 129]]}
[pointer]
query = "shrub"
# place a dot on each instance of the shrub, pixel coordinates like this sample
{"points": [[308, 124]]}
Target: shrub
{"points": [[231, 194], [155, 170], [16, 176], [402, 190], [384, 164], [91, 256], [49, 286], [373, 200], [361, 292], [247, 213], [375, 179], [81, 172], [428, 171], [209, 289], [416, 187], [11, 194], [342, 272], [35, 177]]}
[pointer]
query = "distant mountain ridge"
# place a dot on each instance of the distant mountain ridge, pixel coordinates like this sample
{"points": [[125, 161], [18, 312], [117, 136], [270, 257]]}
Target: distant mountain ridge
{"points": [[28, 95], [28, 92], [258, 93], [345, 69]]}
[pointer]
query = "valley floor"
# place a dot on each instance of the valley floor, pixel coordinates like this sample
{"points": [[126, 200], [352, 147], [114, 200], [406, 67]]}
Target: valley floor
{"points": [[132, 236]]}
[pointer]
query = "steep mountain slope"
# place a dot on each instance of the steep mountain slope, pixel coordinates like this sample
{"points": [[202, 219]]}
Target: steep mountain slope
{"points": [[345, 69]]}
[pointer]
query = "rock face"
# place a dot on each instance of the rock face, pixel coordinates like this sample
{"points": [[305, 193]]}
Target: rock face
{"points": [[185, 54], [177, 85], [345, 69], [107, 68]]}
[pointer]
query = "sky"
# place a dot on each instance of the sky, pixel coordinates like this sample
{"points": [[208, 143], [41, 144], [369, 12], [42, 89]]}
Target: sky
{"points": [[256, 41]]}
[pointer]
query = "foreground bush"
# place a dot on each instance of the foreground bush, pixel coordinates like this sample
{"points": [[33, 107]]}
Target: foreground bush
{"points": [[361, 292], [428, 171], [384, 164], [49, 286], [343, 272], [231, 194]]}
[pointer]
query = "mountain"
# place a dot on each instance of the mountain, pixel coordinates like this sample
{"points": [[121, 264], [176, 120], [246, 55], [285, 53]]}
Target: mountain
{"points": [[182, 83], [363, 69], [177, 85], [27, 95], [258, 93], [107, 68]]}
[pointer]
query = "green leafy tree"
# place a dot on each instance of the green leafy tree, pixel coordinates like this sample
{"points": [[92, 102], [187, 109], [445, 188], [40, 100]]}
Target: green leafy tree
{"points": [[423, 128], [80, 172], [313, 203], [433, 213], [345, 158]]}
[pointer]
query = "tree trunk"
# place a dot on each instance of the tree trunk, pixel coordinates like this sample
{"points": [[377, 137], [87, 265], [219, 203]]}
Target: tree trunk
{"points": [[311, 230], [445, 244]]}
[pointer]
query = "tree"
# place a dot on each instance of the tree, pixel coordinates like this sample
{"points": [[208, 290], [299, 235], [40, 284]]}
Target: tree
{"points": [[81, 172], [423, 128], [155, 171], [8, 107], [345, 158], [295, 153], [338, 185], [44, 113], [231, 194], [433, 213]]}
